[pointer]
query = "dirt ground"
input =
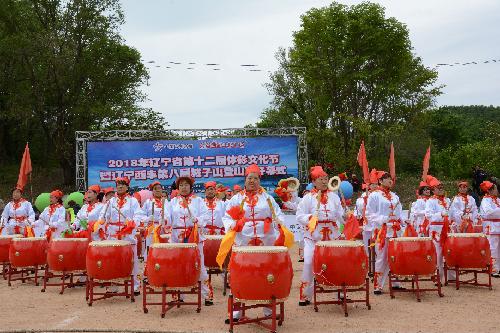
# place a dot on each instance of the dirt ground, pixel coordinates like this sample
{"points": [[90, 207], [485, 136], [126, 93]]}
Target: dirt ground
{"points": [[470, 309]]}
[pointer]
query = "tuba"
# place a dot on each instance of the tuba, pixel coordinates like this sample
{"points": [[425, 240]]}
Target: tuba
{"points": [[334, 183], [293, 184]]}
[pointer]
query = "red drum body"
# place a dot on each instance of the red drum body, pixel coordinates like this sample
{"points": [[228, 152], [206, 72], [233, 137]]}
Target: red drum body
{"points": [[5, 242], [165, 238], [109, 260], [259, 273], [478, 228], [28, 252], [174, 265], [340, 262], [412, 256], [467, 251], [67, 254], [210, 249]]}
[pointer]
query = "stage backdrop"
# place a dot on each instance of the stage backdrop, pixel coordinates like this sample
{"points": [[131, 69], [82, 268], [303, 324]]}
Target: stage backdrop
{"points": [[221, 160]]}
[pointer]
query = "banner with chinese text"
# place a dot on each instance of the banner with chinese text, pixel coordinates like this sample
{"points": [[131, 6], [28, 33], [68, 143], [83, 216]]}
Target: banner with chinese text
{"points": [[221, 160]]}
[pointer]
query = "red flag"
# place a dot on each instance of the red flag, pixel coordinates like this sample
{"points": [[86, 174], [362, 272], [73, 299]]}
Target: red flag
{"points": [[363, 163], [392, 164], [425, 166], [25, 169], [351, 228]]}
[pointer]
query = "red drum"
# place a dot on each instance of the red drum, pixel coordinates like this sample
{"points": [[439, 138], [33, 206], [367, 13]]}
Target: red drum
{"points": [[340, 262], [210, 249], [28, 252], [478, 228], [4, 247], [467, 251], [260, 272], [110, 260], [412, 256], [174, 265], [67, 254]]}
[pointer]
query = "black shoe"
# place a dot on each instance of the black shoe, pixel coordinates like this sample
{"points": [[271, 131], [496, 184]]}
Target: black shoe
{"points": [[301, 260], [398, 288], [304, 303], [235, 320], [377, 292], [209, 302], [495, 275], [137, 293]]}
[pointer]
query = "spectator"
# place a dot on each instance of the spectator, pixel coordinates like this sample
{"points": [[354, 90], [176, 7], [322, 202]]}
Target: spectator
{"points": [[74, 205]]}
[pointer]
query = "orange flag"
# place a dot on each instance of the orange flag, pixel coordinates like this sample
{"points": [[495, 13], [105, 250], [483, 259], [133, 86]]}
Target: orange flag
{"points": [[363, 163], [392, 164], [425, 166], [351, 228], [25, 169]]}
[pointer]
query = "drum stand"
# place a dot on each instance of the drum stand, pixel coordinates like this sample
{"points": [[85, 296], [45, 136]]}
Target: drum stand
{"points": [[415, 284], [23, 274], [473, 281], [176, 294], [218, 271], [342, 291], [276, 318], [5, 270], [90, 294], [63, 275]]}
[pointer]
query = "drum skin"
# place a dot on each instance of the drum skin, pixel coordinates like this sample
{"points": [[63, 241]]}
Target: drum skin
{"points": [[67, 254], [412, 256], [467, 251], [340, 262], [174, 265], [260, 272], [210, 249], [28, 252], [4, 247], [109, 260]]}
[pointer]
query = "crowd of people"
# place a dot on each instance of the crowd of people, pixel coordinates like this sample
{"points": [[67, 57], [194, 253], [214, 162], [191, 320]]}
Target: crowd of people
{"points": [[255, 218]]}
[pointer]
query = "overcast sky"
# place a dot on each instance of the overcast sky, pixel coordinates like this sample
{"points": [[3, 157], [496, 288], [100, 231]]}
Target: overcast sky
{"points": [[231, 33]]}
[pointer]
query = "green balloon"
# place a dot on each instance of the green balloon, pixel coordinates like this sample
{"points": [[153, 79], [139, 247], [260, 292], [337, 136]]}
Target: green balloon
{"points": [[76, 197], [42, 201]]}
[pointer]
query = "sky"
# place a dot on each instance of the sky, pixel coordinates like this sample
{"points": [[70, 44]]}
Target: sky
{"points": [[231, 33]]}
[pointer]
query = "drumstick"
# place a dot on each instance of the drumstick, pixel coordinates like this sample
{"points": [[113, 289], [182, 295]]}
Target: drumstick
{"points": [[273, 213], [162, 217]]}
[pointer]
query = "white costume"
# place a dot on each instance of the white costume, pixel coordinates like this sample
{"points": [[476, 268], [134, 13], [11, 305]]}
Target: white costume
{"points": [[184, 212], [330, 216], [216, 209], [360, 213], [155, 212], [462, 209], [16, 216], [417, 215], [52, 221], [436, 208], [490, 213], [383, 211], [89, 214], [121, 216]]}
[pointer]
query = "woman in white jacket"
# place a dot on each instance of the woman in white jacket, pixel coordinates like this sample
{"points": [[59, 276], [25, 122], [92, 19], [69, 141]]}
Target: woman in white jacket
{"points": [[52, 221], [490, 213]]}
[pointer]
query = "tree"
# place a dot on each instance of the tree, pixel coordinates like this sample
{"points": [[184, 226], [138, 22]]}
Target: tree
{"points": [[351, 74], [65, 68]]}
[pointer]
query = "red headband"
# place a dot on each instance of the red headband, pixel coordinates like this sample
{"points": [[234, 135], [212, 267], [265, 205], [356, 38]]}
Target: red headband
{"points": [[95, 188], [124, 180], [210, 184], [317, 172], [57, 193], [486, 186], [254, 168]]}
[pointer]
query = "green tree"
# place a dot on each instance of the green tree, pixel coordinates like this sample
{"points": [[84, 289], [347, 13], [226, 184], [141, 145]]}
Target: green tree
{"points": [[65, 68], [351, 74]]}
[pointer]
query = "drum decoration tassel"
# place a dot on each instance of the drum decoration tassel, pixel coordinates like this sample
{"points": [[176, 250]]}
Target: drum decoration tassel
{"points": [[237, 214]]}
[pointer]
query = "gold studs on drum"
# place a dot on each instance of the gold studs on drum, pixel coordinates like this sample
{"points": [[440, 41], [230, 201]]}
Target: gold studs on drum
{"points": [[323, 267], [363, 265], [270, 278], [157, 267], [60, 257], [393, 259], [429, 258], [17, 254], [99, 264], [483, 253], [196, 266]]}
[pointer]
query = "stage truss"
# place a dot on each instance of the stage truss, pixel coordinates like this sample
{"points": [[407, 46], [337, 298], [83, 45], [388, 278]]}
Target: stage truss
{"points": [[184, 134]]}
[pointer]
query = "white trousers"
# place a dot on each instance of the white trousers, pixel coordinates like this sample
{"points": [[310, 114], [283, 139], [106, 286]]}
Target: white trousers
{"points": [[367, 235], [494, 241], [307, 271], [440, 262], [382, 266]]}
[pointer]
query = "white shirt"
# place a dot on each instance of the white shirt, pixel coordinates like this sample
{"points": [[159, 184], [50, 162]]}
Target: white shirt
{"points": [[434, 210], [490, 213], [89, 213], [330, 215], [460, 210], [183, 219], [216, 209], [155, 212], [117, 214], [257, 212], [383, 208], [19, 214], [53, 217]]}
